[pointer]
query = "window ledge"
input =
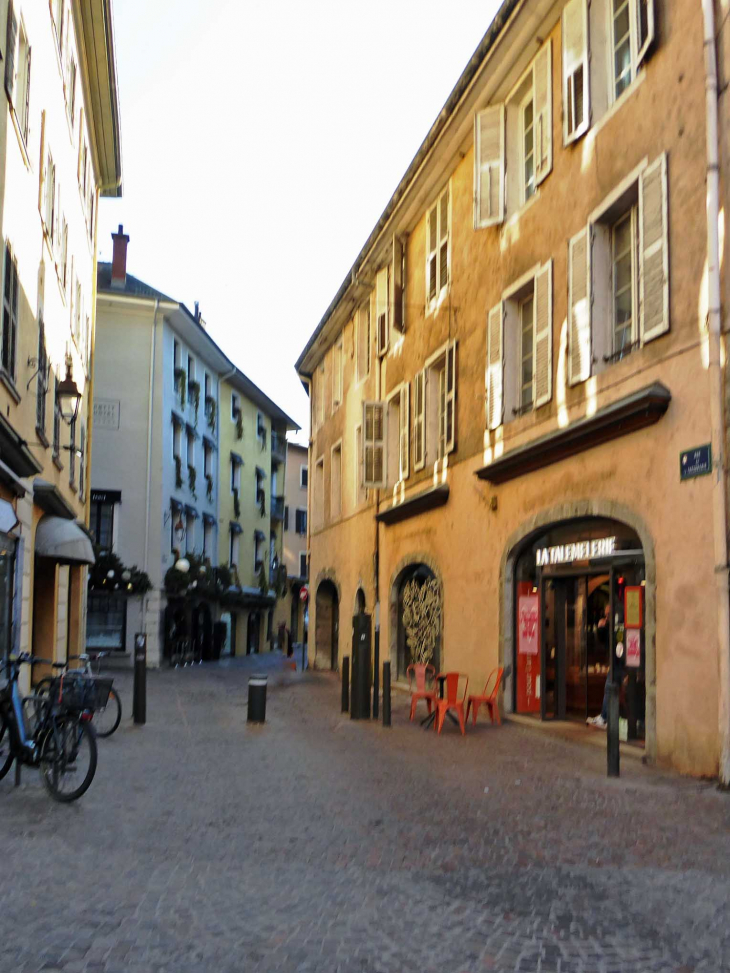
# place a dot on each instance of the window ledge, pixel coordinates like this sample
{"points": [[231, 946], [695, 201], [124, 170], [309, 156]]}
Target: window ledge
{"points": [[21, 140], [43, 439], [57, 461], [420, 503], [9, 385]]}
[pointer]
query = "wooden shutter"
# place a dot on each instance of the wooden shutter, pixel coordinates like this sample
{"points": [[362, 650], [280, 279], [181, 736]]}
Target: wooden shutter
{"points": [[542, 376], [381, 310], [419, 420], [10, 42], [431, 254], [26, 119], [576, 73], [579, 307], [404, 441], [495, 366], [645, 29], [443, 239], [489, 167], [397, 277], [450, 399], [543, 94], [373, 439], [653, 251]]}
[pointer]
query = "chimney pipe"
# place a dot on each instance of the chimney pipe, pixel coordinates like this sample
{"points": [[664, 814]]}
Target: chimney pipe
{"points": [[119, 258], [197, 310]]}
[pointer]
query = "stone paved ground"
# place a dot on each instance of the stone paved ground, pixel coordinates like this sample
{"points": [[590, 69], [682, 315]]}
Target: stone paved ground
{"points": [[319, 844]]}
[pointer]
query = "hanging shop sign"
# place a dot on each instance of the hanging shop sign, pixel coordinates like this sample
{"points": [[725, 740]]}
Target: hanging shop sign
{"points": [[695, 462], [303, 593], [634, 606], [106, 496], [633, 647], [578, 551]]}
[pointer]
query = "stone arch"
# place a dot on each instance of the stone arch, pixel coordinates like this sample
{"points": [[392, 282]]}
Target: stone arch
{"points": [[576, 510], [360, 601], [402, 566], [327, 598]]}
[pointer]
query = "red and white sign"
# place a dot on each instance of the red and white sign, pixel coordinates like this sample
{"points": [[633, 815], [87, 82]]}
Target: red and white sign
{"points": [[528, 615], [633, 647], [303, 593]]}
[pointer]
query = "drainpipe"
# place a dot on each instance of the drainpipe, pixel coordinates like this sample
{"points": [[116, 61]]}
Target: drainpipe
{"points": [[719, 504], [148, 490]]}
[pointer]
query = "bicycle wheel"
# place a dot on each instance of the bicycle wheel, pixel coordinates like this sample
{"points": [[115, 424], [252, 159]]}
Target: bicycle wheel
{"points": [[108, 719], [68, 758], [6, 750]]}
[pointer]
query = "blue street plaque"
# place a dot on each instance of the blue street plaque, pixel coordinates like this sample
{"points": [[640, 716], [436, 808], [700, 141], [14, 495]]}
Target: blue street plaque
{"points": [[695, 462]]}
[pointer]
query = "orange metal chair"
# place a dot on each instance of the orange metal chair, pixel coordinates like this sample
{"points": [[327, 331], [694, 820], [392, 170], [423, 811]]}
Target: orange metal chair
{"points": [[420, 672], [488, 697], [450, 700]]}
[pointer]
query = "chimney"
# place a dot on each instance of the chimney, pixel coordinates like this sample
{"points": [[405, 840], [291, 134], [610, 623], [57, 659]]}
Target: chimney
{"points": [[119, 258], [197, 310]]}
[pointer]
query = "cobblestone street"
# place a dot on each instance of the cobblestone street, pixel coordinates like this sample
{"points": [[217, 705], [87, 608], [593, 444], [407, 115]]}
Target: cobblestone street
{"points": [[316, 843]]}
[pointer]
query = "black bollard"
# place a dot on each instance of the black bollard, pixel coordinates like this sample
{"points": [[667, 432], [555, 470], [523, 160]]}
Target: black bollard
{"points": [[612, 730], [257, 698], [139, 702], [386, 694], [345, 683]]}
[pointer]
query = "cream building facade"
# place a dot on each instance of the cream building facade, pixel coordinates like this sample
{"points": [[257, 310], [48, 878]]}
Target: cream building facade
{"points": [[60, 151], [291, 610], [515, 390]]}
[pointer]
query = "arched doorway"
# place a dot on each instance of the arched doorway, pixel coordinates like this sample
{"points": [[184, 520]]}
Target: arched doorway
{"points": [[360, 602], [578, 622], [328, 625], [419, 611]]}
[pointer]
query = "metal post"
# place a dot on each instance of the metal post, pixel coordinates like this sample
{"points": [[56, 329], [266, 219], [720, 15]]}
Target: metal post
{"points": [[612, 731], [376, 663], [345, 683], [386, 693], [139, 703]]}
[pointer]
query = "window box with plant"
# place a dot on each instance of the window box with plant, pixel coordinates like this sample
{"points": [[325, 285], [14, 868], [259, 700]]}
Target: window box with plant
{"points": [[194, 394], [181, 381], [192, 476], [236, 503], [210, 412], [261, 499], [239, 424], [178, 472], [209, 486]]}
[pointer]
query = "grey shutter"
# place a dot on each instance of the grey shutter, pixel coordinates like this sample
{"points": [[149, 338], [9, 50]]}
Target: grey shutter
{"points": [[11, 38], [403, 440], [645, 29], [495, 366], [576, 73], [543, 336], [373, 440], [653, 251], [579, 308], [489, 167], [419, 420], [450, 398], [26, 120], [396, 281], [543, 94]]}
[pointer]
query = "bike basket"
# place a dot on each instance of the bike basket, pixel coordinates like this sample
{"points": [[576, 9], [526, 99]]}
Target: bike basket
{"points": [[102, 688], [73, 693]]}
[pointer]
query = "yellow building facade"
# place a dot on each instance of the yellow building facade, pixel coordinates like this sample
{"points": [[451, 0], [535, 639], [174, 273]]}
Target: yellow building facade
{"points": [[514, 392]]}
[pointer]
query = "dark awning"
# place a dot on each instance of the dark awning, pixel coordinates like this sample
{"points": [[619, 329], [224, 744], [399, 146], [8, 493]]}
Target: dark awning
{"points": [[62, 540], [235, 527], [177, 420], [426, 500], [176, 505], [14, 451], [191, 511], [210, 443], [237, 458], [192, 431], [259, 535], [261, 472], [208, 519]]}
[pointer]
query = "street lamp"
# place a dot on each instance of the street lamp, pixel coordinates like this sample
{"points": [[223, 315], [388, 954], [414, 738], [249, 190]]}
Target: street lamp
{"points": [[68, 397], [182, 565]]}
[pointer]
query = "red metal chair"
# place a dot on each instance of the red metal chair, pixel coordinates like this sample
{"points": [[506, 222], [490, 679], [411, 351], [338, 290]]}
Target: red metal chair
{"points": [[420, 672], [488, 697], [450, 700]]}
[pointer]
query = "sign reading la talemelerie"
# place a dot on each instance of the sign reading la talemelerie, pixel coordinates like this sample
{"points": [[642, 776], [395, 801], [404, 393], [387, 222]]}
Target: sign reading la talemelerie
{"points": [[578, 551]]}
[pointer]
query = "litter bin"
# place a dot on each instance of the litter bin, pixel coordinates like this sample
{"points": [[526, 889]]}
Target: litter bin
{"points": [[257, 698]]}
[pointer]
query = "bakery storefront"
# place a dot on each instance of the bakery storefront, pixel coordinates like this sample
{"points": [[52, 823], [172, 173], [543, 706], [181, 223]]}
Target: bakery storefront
{"points": [[579, 590]]}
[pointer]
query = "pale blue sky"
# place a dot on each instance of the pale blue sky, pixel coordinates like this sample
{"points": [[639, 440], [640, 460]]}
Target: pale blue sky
{"points": [[261, 142]]}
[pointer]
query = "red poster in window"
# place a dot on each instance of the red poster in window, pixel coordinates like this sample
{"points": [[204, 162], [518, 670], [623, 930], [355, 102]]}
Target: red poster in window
{"points": [[528, 649], [633, 647]]}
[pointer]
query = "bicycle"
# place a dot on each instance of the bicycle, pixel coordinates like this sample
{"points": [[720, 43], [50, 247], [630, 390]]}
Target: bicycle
{"points": [[106, 717], [61, 743]]}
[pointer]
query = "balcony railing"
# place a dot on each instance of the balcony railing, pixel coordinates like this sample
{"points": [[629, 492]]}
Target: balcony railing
{"points": [[277, 508], [278, 445]]}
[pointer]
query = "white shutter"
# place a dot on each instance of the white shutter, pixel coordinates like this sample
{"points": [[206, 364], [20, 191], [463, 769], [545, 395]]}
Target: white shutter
{"points": [[653, 251], [542, 376], [373, 462], [396, 284], [495, 366], [381, 310], [543, 94], [432, 255], [419, 420], [576, 73], [579, 307], [403, 440], [489, 167], [11, 37], [444, 255], [644, 28], [450, 399]]}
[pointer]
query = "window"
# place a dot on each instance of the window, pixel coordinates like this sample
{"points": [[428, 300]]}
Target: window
{"points": [[373, 424], [381, 311], [17, 70], [41, 380], [235, 474], [576, 70], [49, 199], [191, 369], [56, 431], [528, 148], [176, 354], [336, 482], [302, 564], [398, 420], [337, 376], [300, 521], [260, 426], [233, 548], [189, 533], [438, 257], [303, 476], [206, 386], [235, 406], [318, 494], [618, 287], [177, 527], [519, 348], [434, 420], [77, 314], [260, 492], [207, 456], [360, 492], [176, 439], [632, 32], [320, 394], [10, 313], [106, 622], [363, 340], [419, 420], [71, 91], [57, 16], [207, 538], [72, 453], [101, 523], [82, 461], [398, 285], [258, 538], [286, 516], [191, 448]]}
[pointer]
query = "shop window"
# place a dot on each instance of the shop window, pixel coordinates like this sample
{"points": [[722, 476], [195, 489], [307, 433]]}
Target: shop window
{"points": [[7, 594], [106, 622], [418, 606], [101, 524]]}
